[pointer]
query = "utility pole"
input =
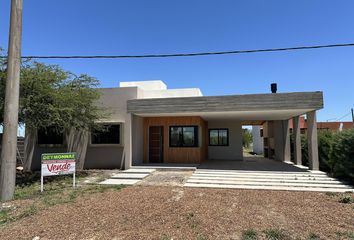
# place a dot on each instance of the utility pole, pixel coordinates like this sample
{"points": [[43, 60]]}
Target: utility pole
{"points": [[353, 115], [9, 140]]}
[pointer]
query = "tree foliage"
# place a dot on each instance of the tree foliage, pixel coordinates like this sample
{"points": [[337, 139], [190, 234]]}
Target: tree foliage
{"points": [[342, 155], [335, 153], [53, 97], [246, 138]]}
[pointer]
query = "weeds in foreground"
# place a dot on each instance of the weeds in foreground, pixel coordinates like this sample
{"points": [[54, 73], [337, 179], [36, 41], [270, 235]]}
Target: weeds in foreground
{"points": [[331, 194], [165, 237], [192, 222], [57, 191], [276, 234], [345, 235], [346, 199], [249, 235], [201, 237], [313, 236], [4, 215]]}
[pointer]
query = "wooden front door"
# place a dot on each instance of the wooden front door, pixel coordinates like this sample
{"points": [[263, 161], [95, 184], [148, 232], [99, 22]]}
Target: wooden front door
{"points": [[156, 144]]}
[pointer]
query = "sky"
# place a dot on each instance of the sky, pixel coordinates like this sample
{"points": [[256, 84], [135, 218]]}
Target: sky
{"points": [[134, 27]]}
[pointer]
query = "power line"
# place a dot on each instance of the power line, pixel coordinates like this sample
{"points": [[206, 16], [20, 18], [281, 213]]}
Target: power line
{"points": [[344, 116], [190, 54]]}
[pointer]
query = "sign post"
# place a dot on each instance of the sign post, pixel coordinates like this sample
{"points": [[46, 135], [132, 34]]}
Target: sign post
{"points": [[57, 164]]}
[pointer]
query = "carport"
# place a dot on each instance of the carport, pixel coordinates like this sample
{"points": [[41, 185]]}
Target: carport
{"points": [[152, 123]]}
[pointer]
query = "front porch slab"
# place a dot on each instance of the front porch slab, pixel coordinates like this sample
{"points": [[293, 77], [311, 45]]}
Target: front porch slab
{"points": [[262, 173]]}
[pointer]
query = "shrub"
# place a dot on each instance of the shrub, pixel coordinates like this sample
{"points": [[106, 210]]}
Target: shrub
{"points": [[304, 150], [335, 153], [325, 143], [342, 155], [346, 199]]}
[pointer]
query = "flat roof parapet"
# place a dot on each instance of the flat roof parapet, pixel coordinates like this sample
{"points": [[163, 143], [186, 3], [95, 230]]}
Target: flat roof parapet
{"points": [[249, 102]]}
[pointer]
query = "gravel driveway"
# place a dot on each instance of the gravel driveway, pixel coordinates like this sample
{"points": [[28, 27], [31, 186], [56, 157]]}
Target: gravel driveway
{"points": [[153, 212]]}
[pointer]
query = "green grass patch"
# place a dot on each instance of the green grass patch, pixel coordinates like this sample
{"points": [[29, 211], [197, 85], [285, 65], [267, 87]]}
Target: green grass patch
{"points": [[4, 215], [250, 234]]}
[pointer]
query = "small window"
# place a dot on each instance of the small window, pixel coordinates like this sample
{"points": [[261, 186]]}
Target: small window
{"points": [[50, 136], [110, 134], [184, 136], [219, 137]]}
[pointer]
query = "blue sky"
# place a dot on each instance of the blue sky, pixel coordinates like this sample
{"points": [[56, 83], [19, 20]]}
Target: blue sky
{"points": [[90, 27]]}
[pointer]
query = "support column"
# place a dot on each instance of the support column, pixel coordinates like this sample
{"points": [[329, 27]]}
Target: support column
{"points": [[127, 142], [312, 140], [282, 140], [297, 141], [286, 139]]}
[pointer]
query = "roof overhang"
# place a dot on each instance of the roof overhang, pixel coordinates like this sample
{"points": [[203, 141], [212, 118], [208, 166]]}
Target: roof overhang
{"points": [[243, 107]]}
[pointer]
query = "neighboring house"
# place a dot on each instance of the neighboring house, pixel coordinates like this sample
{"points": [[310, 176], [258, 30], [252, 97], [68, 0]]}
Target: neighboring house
{"points": [[257, 140], [152, 124], [332, 126]]}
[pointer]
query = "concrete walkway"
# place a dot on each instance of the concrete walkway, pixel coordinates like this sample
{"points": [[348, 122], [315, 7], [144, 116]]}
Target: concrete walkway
{"points": [[261, 173], [128, 177]]}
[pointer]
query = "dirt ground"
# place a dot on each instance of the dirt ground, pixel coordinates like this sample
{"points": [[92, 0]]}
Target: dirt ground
{"points": [[166, 178], [170, 212]]}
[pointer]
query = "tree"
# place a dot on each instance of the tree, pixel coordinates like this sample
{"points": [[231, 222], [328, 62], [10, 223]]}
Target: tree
{"points": [[53, 98], [246, 138]]}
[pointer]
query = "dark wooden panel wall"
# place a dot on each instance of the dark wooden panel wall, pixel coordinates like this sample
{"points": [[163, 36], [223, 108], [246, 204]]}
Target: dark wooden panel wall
{"points": [[175, 154]]}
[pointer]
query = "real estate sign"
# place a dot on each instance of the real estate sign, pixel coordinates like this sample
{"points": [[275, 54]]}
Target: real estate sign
{"points": [[58, 164]]}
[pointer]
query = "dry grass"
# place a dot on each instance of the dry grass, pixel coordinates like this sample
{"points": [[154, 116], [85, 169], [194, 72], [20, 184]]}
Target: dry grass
{"points": [[28, 199], [150, 212]]}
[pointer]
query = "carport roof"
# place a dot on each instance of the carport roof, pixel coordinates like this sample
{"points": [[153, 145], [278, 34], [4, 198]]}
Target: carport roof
{"points": [[244, 107]]}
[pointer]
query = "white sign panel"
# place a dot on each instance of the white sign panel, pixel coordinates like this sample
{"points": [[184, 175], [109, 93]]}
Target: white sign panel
{"points": [[58, 164]]}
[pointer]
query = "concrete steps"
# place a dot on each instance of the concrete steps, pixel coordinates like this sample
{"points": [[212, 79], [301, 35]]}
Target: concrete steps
{"points": [[257, 176], [128, 177], [280, 180], [293, 181]]}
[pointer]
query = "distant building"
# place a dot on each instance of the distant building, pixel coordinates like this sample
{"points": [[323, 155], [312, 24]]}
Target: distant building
{"points": [[333, 126], [263, 136], [257, 140]]}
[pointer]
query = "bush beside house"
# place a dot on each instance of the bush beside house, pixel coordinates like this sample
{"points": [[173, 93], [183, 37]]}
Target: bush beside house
{"points": [[336, 153], [342, 155]]}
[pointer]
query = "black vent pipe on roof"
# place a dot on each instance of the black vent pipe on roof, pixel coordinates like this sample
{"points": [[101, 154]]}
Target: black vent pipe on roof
{"points": [[273, 87]]}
